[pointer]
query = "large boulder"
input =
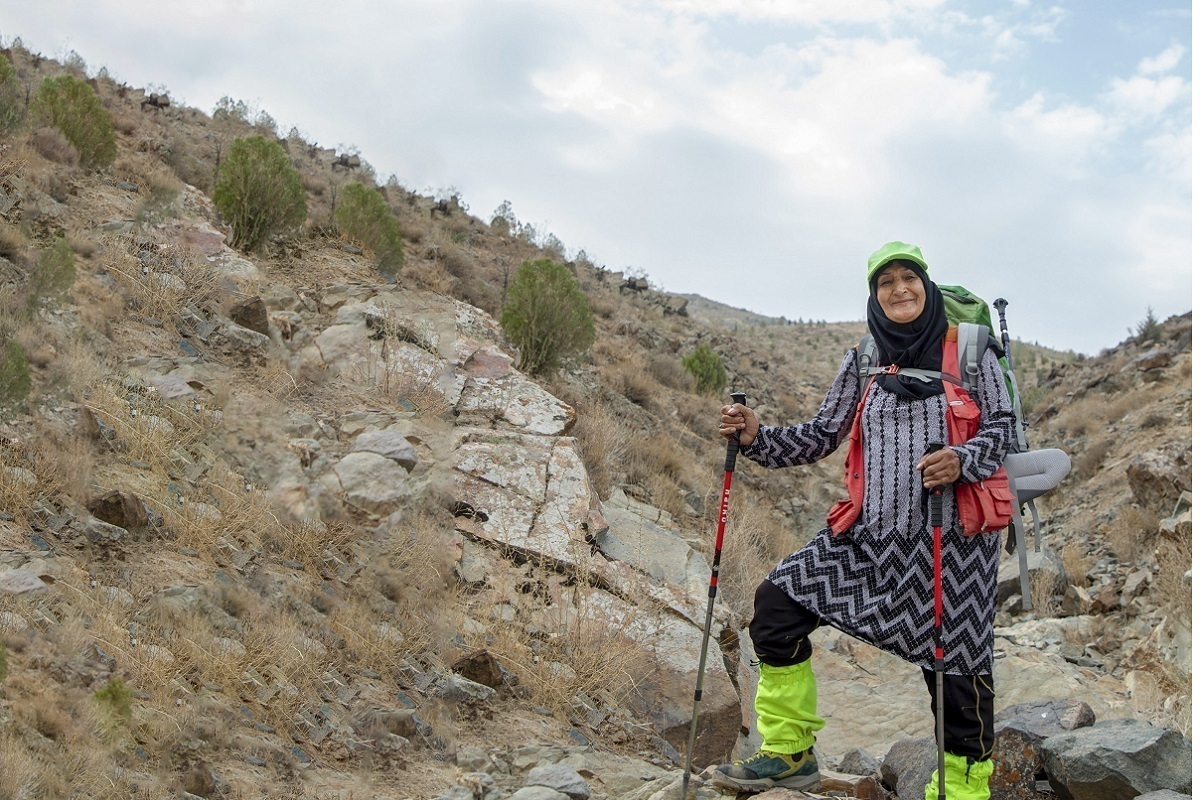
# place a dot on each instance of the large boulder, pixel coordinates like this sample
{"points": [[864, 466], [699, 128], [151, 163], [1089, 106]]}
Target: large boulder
{"points": [[1020, 731], [1040, 562], [1118, 760], [373, 483], [908, 765], [1158, 477]]}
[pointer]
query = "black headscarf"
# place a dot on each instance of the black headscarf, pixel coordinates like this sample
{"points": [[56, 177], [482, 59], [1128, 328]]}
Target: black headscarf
{"points": [[915, 344]]}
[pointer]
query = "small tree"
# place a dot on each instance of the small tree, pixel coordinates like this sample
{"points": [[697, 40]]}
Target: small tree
{"points": [[1149, 329], [12, 110], [547, 316], [52, 274], [15, 382], [363, 214], [69, 104], [706, 368], [258, 192]]}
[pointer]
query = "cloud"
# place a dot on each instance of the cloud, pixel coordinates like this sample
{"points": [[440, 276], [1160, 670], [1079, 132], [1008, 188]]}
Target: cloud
{"points": [[1165, 61], [806, 12]]}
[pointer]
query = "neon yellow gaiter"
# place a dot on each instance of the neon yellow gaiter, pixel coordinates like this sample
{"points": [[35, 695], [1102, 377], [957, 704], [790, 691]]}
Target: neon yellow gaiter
{"points": [[787, 707], [962, 782]]}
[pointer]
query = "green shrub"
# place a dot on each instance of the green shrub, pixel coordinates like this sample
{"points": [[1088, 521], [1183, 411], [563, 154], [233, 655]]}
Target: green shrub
{"points": [[12, 108], [706, 368], [258, 192], [363, 214], [14, 374], [1149, 329], [53, 273], [70, 105], [547, 316], [116, 699]]}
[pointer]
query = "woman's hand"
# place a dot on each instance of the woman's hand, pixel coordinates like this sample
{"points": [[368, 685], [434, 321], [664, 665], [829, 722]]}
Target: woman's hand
{"points": [[740, 420], [939, 468]]}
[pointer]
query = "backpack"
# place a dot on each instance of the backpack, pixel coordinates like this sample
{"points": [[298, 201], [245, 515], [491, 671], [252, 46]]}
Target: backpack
{"points": [[973, 317], [983, 506]]}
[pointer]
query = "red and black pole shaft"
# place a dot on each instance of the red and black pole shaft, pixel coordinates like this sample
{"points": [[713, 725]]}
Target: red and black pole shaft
{"points": [[731, 453], [934, 495]]}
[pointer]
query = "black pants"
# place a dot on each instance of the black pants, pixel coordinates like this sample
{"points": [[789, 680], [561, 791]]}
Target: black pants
{"points": [[780, 629]]}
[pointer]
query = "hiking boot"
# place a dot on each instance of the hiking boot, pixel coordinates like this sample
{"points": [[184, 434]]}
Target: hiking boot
{"points": [[766, 770]]}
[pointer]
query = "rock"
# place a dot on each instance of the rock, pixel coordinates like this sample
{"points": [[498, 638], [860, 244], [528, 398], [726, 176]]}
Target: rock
{"points": [[1158, 358], [908, 765], [841, 784], [458, 689], [372, 483], [1159, 476], [241, 344], [172, 387], [560, 778], [1076, 601], [481, 667], [1020, 731], [1135, 584], [251, 314], [100, 532], [1045, 562], [1106, 599], [859, 762], [537, 793], [389, 444], [120, 508], [1164, 794], [20, 581], [472, 759], [1117, 760]]}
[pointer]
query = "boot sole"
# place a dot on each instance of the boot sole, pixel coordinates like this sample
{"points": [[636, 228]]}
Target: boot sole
{"points": [[802, 783]]}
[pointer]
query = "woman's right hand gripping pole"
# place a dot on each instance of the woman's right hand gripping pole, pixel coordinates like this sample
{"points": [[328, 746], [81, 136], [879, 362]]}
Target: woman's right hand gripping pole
{"points": [[740, 420]]}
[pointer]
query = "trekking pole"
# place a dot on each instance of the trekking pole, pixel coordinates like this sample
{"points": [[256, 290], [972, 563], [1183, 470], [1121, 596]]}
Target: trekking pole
{"points": [[934, 495], [1022, 443], [731, 451], [1000, 304]]}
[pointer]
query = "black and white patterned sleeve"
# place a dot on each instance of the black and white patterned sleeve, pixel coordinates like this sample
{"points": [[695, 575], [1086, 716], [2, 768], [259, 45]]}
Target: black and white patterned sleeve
{"points": [[985, 452], [787, 446]]}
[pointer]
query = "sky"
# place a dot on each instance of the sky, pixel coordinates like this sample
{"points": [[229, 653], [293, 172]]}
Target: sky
{"points": [[754, 152]]}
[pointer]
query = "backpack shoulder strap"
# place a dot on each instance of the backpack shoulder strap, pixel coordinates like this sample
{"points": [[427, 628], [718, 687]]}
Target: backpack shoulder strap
{"points": [[867, 356], [972, 341]]}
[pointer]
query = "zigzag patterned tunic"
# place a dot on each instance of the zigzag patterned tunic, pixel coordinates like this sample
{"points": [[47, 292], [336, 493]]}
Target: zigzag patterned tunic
{"points": [[875, 581]]}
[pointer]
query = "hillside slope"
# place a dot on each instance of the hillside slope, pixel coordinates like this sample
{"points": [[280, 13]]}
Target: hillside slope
{"points": [[281, 506]]}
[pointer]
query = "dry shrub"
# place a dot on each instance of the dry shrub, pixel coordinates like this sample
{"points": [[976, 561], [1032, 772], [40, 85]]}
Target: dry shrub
{"points": [[413, 568], [224, 513], [429, 275], [631, 378], [669, 372], [53, 146], [755, 541], [1172, 586], [178, 278], [14, 245], [1082, 416], [125, 124], [1130, 532], [602, 306], [657, 454], [1076, 563], [1092, 459], [602, 444], [583, 642], [22, 774], [1041, 594], [83, 244]]}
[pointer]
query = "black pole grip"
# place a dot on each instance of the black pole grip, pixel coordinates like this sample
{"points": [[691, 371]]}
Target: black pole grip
{"points": [[731, 451], [935, 507]]}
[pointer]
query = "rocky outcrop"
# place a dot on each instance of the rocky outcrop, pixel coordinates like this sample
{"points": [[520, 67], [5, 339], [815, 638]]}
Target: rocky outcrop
{"points": [[1118, 760]]}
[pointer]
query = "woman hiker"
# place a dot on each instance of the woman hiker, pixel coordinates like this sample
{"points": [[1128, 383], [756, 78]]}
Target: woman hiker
{"points": [[874, 580]]}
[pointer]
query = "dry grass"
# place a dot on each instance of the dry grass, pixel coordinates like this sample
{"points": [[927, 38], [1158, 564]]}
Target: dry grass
{"points": [[53, 146], [1076, 563], [755, 541], [1042, 596], [1130, 532], [1094, 456], [179, 278], [602, 444]]}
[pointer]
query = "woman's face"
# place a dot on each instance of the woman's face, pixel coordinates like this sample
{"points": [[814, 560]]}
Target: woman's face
{"points": [[900, 293]]}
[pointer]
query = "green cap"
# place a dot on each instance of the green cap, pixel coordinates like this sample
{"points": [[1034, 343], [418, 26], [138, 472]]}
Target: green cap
{"points": [[894, 251]]}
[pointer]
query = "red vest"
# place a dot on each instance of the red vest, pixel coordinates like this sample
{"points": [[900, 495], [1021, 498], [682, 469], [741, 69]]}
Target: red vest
{"points": [[983, 506]]}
